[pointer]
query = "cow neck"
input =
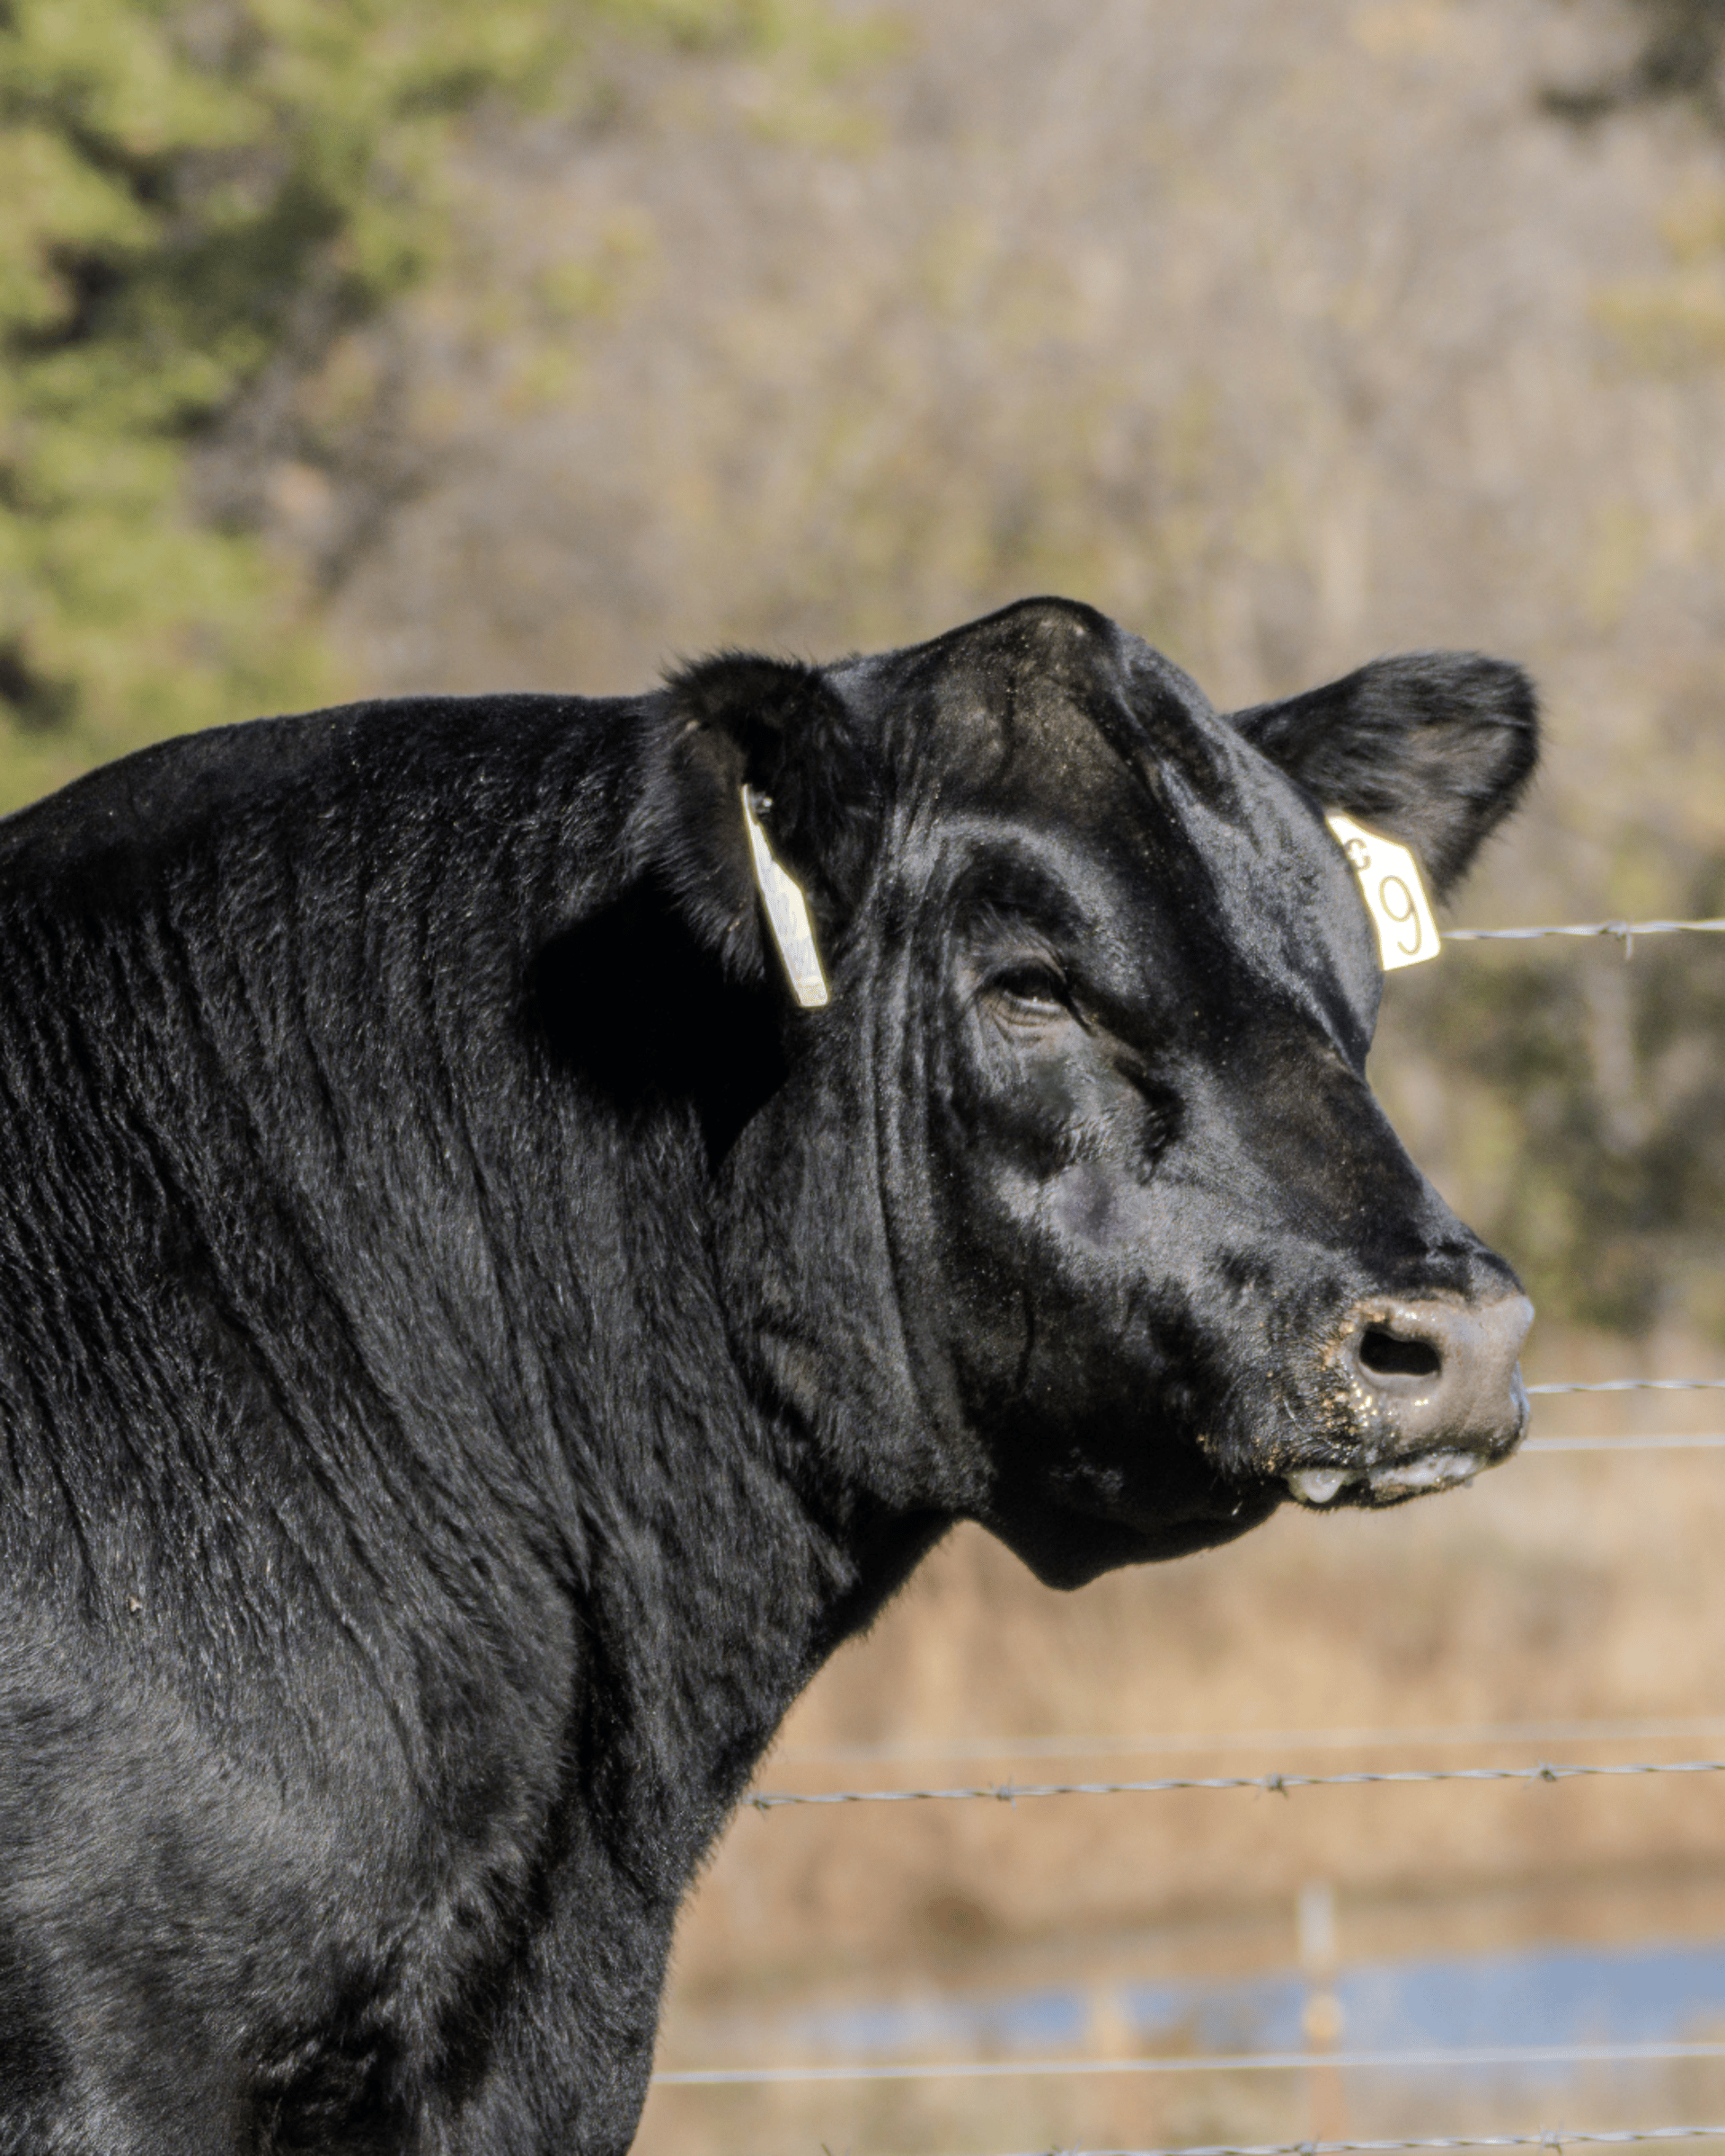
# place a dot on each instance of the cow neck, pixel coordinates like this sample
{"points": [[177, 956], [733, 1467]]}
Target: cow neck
{"points": [[722, 1561]]}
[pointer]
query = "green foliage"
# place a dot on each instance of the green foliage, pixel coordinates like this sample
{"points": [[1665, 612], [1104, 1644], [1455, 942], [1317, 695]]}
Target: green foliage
{"points": [[194, 196]]}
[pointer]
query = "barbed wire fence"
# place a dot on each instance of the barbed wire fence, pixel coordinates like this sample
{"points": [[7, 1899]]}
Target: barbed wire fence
{"points": [[1553, 2141], [1626, 931], [1226, 2062], [1283, 1783]]}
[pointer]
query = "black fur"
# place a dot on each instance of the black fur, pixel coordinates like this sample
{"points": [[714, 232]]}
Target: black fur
{"points": [[1435, 749], [778, 728], [469, 1351]]}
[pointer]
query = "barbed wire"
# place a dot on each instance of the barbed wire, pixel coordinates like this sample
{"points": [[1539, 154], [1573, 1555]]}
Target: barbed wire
{"points": [[1625, 930], [1279, 1784], [1634, 1385], [1555, 2138], [1227, 2062], [1582, 1730]]}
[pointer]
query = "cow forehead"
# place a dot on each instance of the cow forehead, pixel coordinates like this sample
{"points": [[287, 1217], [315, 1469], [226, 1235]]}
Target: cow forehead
{"points": [[1039, 694], [1049, 720], [1050, 713]]}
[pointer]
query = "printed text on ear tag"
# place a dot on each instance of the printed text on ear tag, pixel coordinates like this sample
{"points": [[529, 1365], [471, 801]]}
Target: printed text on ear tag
{"points": [[787, 915], [1396, 897]]}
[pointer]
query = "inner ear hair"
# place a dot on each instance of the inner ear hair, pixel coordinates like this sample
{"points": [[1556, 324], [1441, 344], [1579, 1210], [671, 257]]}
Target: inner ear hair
{"points": [[1433, 748], [797, 744], [777, 726]]}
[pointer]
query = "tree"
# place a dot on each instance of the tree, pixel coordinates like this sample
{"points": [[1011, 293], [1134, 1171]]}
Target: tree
{"points": [[200, 197]]}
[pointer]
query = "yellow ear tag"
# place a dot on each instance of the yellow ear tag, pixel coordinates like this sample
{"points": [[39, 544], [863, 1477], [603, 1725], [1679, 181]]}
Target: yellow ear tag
{"points": [[1395, 896], [787, 915]]}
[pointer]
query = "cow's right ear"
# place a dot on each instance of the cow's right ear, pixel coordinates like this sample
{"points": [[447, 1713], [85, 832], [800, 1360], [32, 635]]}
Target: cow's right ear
{"points": [[780, 729], [1433, 749]]}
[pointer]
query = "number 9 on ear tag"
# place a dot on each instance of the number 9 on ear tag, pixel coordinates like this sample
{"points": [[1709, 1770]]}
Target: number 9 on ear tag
{"points": [[1395, 896]]}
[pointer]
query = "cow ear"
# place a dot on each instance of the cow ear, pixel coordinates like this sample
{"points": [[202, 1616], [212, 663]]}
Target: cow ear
{"points": [[780, 729], [1434, 749]]}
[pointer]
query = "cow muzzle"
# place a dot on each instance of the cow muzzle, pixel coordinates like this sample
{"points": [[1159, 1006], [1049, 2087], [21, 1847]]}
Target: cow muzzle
{"points": [[1421, 1394]]}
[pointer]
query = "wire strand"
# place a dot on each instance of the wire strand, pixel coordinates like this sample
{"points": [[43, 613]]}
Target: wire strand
{"points": [[1635, 1384], [1583, 1729], [1553, 2138], [1627, 929], [1275, 1785], [1238, 2062]]}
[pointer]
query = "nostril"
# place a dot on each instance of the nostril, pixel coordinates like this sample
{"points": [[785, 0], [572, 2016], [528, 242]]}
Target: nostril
{"points": [[1431, 1392], [1385, 1355]]}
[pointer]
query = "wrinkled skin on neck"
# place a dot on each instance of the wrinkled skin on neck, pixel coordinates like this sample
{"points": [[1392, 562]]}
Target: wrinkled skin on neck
{"points": [[1090, 1107]]}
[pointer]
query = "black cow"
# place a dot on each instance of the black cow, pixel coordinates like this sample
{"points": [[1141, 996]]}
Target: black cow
{"points": [[471, 1346]]}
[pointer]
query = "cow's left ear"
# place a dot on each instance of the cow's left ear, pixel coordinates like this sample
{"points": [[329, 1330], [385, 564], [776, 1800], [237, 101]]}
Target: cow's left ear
{"points": [[780, 729], [1434, 749]]}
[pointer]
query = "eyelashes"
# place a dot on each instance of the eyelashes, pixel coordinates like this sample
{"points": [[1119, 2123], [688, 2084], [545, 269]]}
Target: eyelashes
{"points": [[1032, 987]]}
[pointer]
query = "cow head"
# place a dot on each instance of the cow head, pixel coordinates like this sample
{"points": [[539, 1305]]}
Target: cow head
{"points": [[1074, 1206]]}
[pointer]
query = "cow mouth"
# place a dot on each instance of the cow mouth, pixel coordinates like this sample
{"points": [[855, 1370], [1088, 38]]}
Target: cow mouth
{"points": [[1384, 1481]]}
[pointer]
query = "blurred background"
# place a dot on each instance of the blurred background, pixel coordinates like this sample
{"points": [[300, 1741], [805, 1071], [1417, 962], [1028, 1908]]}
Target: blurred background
{"points": [[357, 346]]}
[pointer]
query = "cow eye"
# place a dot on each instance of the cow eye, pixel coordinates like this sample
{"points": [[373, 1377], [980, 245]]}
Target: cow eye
{"points": [[1031, 985]]}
